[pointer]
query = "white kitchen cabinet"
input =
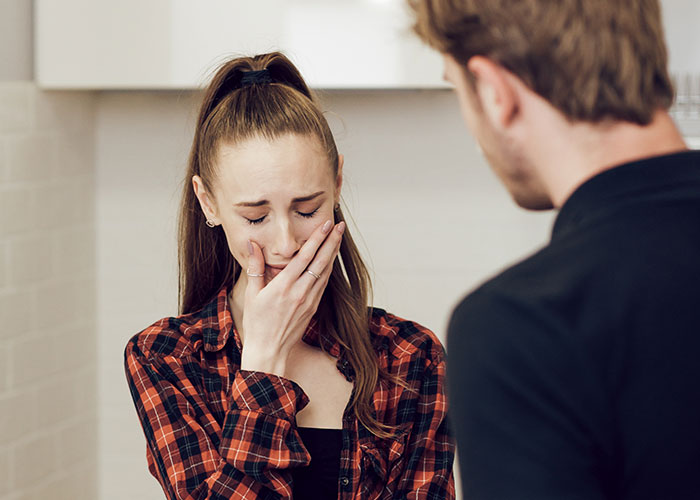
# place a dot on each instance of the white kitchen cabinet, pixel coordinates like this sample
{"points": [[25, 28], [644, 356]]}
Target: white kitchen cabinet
{"points": [[175, 44]]}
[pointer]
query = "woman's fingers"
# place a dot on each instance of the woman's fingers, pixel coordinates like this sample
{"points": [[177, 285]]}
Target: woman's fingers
{"points": [[318, 286], [322, 264], [308, 271], [256, 270], [321, 236]]}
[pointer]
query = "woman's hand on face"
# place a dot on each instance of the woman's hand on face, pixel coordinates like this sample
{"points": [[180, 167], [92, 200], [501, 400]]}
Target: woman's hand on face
{"points": [[276, 316]]}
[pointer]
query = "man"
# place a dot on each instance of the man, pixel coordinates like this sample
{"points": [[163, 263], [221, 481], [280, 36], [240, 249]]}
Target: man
{"points": [[575, 374]]}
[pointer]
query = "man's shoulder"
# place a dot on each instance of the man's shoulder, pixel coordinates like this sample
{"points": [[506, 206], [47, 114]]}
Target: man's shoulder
{"points": [[404, 339], [524, 292]]}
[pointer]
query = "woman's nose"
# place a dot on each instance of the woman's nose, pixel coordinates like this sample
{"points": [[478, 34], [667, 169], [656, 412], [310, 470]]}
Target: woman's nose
{"points": [[285, 241]]}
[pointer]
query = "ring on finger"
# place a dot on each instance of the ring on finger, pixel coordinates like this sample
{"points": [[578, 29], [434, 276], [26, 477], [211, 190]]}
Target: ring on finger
{"points": [[317, 276]]}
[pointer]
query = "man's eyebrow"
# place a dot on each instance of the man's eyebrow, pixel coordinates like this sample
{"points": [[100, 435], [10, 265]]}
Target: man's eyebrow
{"points": [[261, 203]]}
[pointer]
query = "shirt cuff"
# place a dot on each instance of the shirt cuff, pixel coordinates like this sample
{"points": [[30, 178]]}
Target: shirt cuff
{"points": [[267, 393]]}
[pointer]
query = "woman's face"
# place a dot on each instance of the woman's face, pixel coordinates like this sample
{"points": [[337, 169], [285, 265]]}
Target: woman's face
{"points": [[271, 192]]}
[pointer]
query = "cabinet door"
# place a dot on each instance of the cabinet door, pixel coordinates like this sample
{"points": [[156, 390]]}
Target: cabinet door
{"points": [[162, 44]]}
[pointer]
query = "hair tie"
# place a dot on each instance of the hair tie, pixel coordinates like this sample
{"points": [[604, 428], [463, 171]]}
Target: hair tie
{"points": [[258, 77]]}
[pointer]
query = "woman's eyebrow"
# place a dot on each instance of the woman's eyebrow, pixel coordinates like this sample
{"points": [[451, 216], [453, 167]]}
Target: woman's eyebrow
{"points": [[260, 203], [308, 197]]}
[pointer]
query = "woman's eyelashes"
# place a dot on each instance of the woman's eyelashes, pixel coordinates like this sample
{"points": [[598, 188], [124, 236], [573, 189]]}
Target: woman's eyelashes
{"points": [[308, 215], [259, 220], [255, 221]]}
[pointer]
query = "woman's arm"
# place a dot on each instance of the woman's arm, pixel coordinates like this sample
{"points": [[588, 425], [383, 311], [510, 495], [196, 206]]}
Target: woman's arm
{"points": [[195, 458]]}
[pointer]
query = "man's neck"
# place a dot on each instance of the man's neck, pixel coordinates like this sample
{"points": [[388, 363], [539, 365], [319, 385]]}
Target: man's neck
{"points": [[584, 150]]}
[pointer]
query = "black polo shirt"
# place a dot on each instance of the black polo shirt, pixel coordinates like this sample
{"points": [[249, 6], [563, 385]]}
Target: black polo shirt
{"points": [[575, 374]]}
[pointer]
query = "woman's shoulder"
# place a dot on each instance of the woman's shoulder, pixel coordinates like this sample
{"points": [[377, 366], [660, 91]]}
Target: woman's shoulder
{"points": [[175, 336], [404, 339]]}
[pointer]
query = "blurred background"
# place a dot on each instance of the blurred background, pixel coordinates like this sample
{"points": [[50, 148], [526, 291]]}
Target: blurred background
{"points": [[97, 103]]}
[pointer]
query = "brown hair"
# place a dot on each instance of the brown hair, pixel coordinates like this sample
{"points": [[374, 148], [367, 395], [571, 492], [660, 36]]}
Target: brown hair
{"points": [[591, 59], [233, 112]]}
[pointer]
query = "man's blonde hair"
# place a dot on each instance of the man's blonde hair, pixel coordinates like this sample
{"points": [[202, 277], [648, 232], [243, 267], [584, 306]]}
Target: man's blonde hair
{"points": [[591, 59]]}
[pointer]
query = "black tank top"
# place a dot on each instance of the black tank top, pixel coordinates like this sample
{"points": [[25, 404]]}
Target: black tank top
{"points": [[319, 480]]}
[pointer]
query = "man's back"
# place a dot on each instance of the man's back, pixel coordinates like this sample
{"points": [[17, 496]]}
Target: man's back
{"points": [[577, 370]]}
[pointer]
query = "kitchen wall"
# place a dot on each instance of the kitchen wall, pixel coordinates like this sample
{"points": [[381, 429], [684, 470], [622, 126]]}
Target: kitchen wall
{"points": [[16, 32], [48, 369], [433, 219]]}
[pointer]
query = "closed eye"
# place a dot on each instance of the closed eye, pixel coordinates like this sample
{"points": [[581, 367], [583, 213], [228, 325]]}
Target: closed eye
{"points": [[308, 215], [255, 221]]}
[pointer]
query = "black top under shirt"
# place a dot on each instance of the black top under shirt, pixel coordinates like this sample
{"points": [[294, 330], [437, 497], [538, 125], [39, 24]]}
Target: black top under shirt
{"points": [[319, 481], [575, 374]]}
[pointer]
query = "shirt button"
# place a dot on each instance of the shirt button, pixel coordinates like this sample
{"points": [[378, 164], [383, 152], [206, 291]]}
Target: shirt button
{"points": [[344, 481]]}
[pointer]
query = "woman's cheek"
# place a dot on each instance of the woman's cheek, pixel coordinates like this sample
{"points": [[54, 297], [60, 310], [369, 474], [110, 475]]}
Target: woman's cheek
{"points": [[237, 239], [309, 226]]}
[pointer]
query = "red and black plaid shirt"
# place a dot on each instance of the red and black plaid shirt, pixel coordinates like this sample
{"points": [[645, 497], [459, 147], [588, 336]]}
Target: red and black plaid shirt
{"points": [[216, 431]]}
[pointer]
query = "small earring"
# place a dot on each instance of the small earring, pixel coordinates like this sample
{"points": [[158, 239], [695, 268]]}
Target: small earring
{"points": [[210, 223], [337, 207]]}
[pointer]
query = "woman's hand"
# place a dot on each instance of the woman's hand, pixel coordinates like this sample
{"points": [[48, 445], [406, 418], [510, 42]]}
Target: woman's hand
{"points": [[276, 316]]}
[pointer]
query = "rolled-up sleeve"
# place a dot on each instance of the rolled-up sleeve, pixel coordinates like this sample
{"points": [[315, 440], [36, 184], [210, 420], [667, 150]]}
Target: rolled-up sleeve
{"points": [[194, 457]]}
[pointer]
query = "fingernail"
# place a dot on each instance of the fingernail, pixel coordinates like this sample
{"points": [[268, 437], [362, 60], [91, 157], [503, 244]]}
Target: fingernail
{"points": [[250, 248], [327, 226], [341, 227]]}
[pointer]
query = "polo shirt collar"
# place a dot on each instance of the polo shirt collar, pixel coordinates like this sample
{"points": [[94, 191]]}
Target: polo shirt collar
{"points": [[668, 177]]}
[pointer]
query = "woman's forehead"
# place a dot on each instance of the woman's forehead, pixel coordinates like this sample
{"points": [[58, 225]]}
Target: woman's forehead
{"points": [[286, 165]]}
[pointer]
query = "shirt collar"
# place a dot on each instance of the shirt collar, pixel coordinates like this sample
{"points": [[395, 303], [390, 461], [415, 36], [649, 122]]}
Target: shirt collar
{"points": [[218, 323], [668, 177], [218, 326]]}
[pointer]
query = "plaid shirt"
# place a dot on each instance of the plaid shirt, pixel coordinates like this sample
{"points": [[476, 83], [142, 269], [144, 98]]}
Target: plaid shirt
{"points": [[216, 431]]}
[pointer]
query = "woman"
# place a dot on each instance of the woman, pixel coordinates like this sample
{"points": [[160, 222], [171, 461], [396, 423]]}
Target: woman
{"points": [[277, 380]]}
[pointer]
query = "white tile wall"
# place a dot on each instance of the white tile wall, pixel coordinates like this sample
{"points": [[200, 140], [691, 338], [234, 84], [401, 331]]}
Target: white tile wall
{"points": [[34, 459], [30, 257], [16, 107], [48, 408], [29, 157], [5, 471], [433, 219], [4, 267], [5, 369], [17, 311]]}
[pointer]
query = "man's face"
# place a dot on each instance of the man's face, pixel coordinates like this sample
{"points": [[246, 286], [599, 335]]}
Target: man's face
{"points": [[502, 150]]}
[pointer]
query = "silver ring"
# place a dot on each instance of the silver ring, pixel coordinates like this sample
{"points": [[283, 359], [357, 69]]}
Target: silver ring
{"points": [[317, 276], [253, 275]]}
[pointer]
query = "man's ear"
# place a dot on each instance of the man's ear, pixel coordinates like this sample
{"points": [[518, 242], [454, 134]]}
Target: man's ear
{"points": [[495, 90], [205, 201]]}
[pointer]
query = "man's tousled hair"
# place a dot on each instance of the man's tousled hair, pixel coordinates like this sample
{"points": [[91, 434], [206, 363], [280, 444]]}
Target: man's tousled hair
{"points": [[591, 59]]}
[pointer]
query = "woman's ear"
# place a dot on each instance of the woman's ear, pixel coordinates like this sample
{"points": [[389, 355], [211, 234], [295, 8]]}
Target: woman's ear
{"points": [[205, 200], [339, 179]]}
